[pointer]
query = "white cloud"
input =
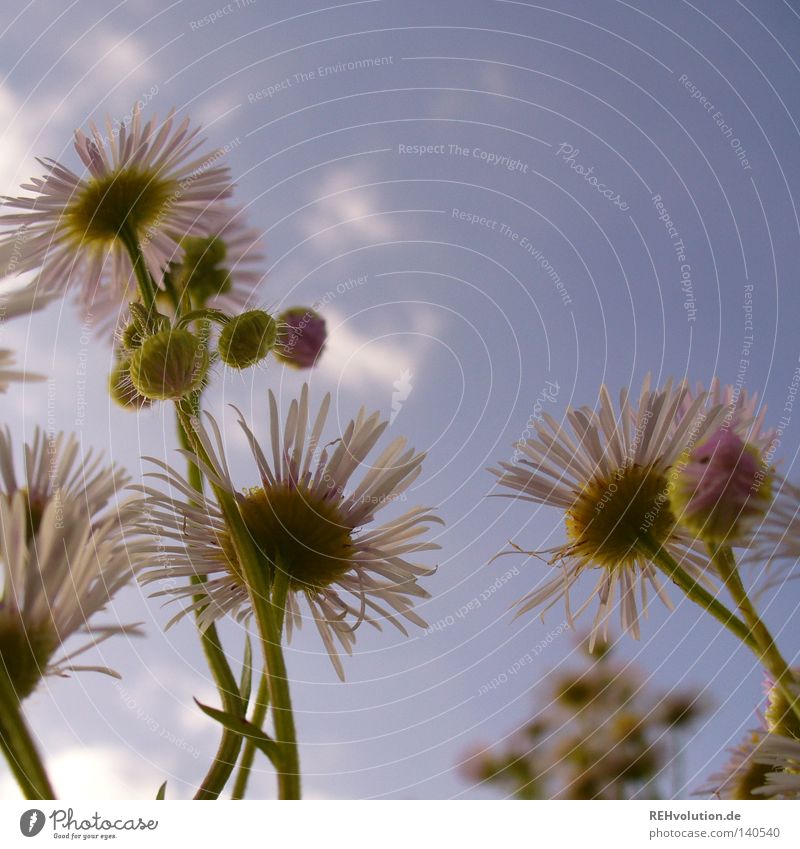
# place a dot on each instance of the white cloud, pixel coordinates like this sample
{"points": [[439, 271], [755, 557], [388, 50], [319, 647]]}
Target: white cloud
{"points": [[94, 772]]}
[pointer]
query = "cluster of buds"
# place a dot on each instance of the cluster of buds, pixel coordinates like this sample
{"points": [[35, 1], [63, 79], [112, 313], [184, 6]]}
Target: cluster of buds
{"points": [[158, 361], [165, 360]]}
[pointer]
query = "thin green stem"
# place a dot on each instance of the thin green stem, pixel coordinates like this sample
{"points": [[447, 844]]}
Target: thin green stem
{"points": [[18, 744], [766, 649], [205, 314], [230, 743], [248, 755], [147, 288], [697, 593], [257, 578], [280, 589]]}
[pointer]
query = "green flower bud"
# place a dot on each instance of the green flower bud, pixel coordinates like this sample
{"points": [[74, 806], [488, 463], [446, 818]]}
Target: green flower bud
{"points": [[169, 365], [247, 339], [200, 274], [122, 390], [142, 323]]}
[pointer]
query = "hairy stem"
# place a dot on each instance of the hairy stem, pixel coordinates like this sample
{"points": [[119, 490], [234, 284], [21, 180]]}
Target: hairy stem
{"points": [[147, 288]]}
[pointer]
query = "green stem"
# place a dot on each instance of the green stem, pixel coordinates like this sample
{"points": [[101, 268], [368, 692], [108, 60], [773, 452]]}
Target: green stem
{"points": [[230, 743], [697, 593], [249, 753], [256, 574], [18, 744], [147, 288], [205, 314], [766, 649], [280, 589]]}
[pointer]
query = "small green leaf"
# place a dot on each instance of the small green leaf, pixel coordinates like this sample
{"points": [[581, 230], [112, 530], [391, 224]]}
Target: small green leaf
{"points": [[246, 682], [241, 726], [162, 792]]}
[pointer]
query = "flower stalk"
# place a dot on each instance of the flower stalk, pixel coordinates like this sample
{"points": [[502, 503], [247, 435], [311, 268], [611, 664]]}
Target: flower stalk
{"points": [[697, 593], [765, 648], [256, 576], [18, 744]]}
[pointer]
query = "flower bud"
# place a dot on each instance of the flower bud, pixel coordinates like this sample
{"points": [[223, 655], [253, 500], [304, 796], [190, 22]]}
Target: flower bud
{"points": [[722, 489], [169, 365], [301, 337], [247, 338], [200, 275], [142, 323], [122, 390]]}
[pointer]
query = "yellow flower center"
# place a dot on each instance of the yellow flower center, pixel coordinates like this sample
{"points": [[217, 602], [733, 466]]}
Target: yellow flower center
{"points": [[123, 200], [615, 515], [304, 533]]}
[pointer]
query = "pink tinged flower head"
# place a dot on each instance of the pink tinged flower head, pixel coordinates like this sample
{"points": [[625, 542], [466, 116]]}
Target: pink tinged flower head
{"points": [[301, 337], [722, 488], [147, 181], [744, 414]]}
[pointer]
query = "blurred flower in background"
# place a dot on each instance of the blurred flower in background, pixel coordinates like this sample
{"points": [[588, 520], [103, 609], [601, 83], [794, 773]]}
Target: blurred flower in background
{"points": [[598, 732]]}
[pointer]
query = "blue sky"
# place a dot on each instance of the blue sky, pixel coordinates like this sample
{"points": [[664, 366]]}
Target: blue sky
{"points": [[486, 274]]}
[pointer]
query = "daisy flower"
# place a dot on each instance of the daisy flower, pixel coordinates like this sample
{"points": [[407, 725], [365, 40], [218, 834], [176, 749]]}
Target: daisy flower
{"points": [[302, 521], [743, 773], [64, 553], [780, 756], [148, 183], [612, 477]]}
